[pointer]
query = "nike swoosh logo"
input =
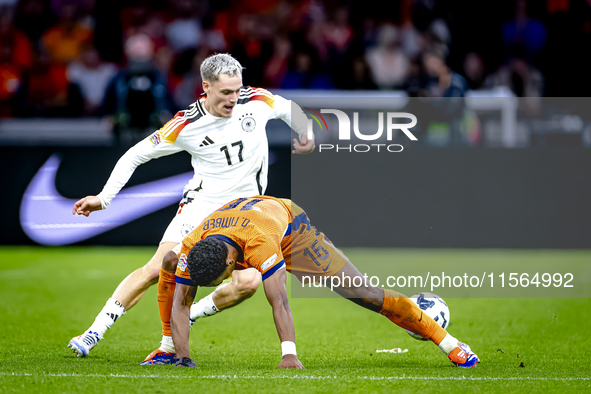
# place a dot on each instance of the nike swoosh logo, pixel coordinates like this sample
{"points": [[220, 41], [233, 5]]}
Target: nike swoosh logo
{"points": [[46, 216], [329, 263]]}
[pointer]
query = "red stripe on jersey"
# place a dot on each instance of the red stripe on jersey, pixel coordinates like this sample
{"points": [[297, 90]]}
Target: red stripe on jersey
{"points": [[172, 135], [256, 94], [266, 99], [173, 127]]}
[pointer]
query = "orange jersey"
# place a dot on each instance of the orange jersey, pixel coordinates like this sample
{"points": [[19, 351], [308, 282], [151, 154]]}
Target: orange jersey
{"points": [[266, 232]]}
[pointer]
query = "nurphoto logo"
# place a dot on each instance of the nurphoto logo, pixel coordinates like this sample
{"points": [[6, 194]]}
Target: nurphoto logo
{"points": [[393, 125]]}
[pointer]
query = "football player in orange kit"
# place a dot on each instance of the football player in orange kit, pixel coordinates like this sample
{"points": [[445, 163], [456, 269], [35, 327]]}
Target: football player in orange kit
{"points": [[260, 238]]}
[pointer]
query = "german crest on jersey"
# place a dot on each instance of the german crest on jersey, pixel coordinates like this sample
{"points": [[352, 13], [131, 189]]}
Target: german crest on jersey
{"points": [[248, 123], [186, 230]]}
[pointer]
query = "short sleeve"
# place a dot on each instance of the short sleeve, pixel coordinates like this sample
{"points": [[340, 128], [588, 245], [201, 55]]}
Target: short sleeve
{"points": [[182, 272], [264, 254]]}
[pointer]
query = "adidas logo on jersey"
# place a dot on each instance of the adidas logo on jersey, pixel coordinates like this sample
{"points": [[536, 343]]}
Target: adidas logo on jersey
{"points": [[206, 141]]}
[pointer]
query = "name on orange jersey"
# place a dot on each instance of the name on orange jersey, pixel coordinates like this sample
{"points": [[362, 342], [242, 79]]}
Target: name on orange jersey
{"points": [[225, 223]]}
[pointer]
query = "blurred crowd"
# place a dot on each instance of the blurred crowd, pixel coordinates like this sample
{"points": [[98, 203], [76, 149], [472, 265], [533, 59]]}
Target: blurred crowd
{"points": [[139, 60]]}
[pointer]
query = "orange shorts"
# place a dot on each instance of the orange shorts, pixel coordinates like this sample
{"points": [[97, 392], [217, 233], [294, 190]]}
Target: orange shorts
{"points": [[312, 253]]}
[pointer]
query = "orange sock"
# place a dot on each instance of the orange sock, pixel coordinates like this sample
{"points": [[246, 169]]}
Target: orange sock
{"points": [[166, 286], [406, 314]]}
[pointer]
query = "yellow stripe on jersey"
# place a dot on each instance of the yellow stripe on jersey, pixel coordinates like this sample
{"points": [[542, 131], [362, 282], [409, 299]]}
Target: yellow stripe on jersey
{"points": [[256, 94], [171, 130]]}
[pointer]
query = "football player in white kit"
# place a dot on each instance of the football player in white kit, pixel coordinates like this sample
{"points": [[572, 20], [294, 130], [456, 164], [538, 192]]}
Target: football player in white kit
{"points": [[224, 131]]}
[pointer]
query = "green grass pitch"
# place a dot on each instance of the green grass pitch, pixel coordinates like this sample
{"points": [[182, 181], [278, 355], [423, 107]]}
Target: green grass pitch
{"points": [[52, 294]]}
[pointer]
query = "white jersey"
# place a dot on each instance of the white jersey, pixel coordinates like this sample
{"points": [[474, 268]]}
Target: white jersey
{"points": [[229, 155]]}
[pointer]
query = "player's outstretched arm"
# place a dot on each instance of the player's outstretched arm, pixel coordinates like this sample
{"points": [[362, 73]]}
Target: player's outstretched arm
{"points": [[291, 113], [179, 319], [86, 205], [304, 146], [147, 149], [276, 292]]}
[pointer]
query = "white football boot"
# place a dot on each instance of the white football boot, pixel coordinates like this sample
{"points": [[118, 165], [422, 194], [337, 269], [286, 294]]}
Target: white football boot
{"points": [[82, 344]]}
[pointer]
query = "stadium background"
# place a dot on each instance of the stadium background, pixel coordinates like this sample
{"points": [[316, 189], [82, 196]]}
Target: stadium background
{"points": [[86, 79], [521, 184]]}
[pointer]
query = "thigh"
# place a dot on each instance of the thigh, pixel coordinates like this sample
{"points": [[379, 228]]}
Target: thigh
{"points": [[311, 252], [156, 261], [352, 284], [188, 217]]}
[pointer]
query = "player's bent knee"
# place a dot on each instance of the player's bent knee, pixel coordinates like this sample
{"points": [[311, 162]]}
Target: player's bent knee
{"points": [[370, 297], [151, 274], [148, 274], [373, 303], [170, 261]]}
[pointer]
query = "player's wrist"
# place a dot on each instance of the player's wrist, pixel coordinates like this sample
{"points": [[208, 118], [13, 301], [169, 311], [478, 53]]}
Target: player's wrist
{"points": [[288, 348], [104, 202]]}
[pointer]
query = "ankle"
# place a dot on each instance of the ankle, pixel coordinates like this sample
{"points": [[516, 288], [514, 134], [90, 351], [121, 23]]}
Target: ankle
{"points": [[448, 344], [167, 345]]}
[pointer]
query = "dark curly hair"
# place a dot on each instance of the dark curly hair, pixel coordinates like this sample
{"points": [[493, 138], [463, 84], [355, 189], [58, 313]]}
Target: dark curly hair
{"points": [[207, 260]]}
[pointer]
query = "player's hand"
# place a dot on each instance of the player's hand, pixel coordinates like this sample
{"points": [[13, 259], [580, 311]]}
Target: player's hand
{"points": [[290, 361], [186, 362], [86, 205], [304, 146]]}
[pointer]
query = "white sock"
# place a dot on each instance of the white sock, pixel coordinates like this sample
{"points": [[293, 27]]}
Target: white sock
{"points": [[112, 311], [166, 345], [204, 307], [448, 344]]}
